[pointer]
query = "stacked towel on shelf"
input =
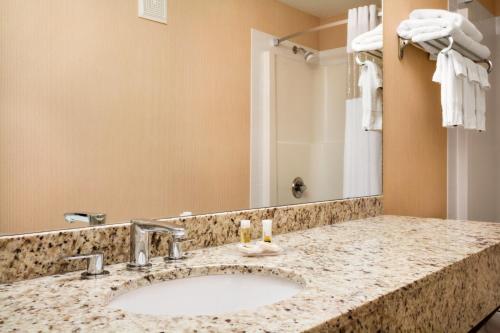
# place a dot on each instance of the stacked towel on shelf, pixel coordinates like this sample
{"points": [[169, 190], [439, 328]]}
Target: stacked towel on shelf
{"points": [[428, 24], [370, 82], [463, 85], [455, 19], [369, 41]]}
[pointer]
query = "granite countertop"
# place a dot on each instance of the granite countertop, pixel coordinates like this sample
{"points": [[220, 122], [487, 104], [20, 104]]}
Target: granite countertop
{"points": [[354, 274]]}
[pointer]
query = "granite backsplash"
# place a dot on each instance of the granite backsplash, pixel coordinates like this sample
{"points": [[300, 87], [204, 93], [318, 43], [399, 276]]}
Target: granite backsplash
{"points": [[29, 256]]}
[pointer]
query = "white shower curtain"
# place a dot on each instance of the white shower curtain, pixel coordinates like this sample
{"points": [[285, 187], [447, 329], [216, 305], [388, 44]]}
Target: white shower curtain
{"points": [[362, 149]]}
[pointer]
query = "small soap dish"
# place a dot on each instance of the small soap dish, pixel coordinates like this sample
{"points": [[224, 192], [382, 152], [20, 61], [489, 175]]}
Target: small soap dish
{"points": [[259, 249]]}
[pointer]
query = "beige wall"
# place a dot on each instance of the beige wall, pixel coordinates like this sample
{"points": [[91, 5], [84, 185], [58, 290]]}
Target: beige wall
{"points": [[414, 141], [332, 38], [492, 5], [104, 111]]}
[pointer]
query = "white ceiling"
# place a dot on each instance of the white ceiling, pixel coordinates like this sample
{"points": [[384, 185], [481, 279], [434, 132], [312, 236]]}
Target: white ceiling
{"points": [[327, 8]]}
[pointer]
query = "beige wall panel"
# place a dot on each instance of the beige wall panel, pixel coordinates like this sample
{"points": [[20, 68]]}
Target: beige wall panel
{"points": [[492, 5], [414, 141]]}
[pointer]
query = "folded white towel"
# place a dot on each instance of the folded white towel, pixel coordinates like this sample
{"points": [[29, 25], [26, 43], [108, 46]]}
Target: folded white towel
{"points": [[451, 89], [422, 30], [410, 27], [370, 80], [369, 41], [368, 46], [406, 31], [456, 19], [480, 50]]}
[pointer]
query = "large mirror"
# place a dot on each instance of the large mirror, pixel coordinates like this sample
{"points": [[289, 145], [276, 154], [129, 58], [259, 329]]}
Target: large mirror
{"points": [[227, 105]]}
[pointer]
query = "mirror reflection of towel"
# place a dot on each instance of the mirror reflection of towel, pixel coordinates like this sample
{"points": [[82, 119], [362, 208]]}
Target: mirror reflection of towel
{"points": [[370, 80]]}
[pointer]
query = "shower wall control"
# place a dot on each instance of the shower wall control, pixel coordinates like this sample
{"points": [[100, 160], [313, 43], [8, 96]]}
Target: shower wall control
{"points": [[298, 187]]}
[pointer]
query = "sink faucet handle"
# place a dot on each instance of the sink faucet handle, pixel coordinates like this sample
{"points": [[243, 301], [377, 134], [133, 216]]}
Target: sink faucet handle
{"points": [[175, 250], [95, 264], [90, 218]]}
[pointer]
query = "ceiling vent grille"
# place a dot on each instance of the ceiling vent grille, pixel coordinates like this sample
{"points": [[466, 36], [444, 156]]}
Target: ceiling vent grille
{"points": [[155, 10]]}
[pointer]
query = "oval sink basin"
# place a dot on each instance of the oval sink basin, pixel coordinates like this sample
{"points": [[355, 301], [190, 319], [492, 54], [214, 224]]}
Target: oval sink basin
{"points": [[206, 295]]}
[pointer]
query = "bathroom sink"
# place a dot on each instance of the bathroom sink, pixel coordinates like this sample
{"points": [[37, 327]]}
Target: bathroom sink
{"points": [[206, 295]]}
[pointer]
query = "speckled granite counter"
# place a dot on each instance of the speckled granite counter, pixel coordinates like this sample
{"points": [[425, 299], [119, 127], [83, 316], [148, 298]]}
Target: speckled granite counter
{"points": [[386, 273], [34, 255]]}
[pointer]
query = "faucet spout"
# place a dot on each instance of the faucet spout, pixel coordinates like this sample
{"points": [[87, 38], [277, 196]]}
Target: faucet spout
{"points": [[140, 231], [161, 225], [90, 218]]}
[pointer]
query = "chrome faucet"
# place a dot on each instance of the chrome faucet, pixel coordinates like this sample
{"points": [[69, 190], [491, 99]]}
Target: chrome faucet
{"points": [[95, 265], [90, 218], [139, 242]]}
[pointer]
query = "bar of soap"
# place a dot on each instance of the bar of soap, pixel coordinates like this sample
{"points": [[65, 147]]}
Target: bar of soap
{"points": [[249, 249], [269, 247], [259, 249]]}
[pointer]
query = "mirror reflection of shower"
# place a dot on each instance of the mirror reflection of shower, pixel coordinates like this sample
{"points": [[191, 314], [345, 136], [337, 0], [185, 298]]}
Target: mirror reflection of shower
{"points": [[306, 114], [298, 121]]}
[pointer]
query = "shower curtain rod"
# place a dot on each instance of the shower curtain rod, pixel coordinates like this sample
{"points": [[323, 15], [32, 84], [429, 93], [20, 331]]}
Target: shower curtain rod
{"points": [[278, 41]]}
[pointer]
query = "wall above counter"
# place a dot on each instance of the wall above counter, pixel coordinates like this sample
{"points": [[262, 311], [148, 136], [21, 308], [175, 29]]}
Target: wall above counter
{"points": [[132, 118]]}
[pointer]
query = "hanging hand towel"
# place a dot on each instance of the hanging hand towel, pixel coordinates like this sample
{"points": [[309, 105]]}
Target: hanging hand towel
{"points": [[483, 77], [451, 90], [439, 75], [370, 80], [480, 90], [460, 69], [469, 103]]}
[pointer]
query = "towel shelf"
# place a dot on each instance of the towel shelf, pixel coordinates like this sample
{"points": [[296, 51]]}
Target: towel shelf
{"points": [[442, 44], [374, 53]]}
